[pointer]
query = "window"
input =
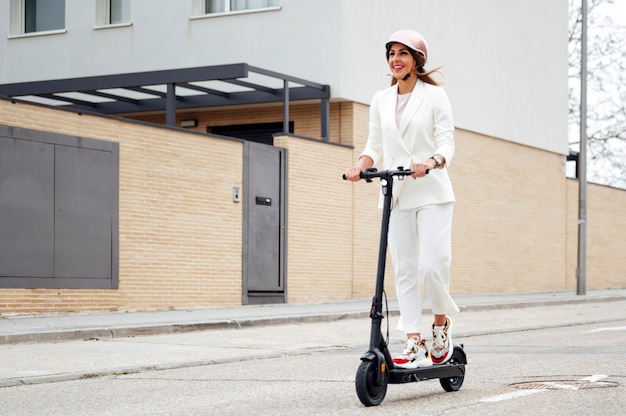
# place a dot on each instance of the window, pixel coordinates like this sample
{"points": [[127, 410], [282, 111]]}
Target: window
{"points": [[225, 6], [112, 13], [43, 15], [119, 11]]}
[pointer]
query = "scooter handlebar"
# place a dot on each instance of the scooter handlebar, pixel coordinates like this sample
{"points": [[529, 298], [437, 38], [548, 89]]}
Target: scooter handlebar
{"points": [[371, 173]]}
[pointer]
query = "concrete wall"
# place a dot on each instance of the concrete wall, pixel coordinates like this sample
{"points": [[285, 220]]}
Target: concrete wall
{"points": [[505, 61]]}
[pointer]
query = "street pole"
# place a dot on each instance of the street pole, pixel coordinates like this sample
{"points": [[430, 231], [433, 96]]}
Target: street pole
{"points": [[581, 270]]}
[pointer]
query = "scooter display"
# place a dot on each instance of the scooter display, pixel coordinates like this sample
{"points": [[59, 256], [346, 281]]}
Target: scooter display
{"points": [[377, 369]]}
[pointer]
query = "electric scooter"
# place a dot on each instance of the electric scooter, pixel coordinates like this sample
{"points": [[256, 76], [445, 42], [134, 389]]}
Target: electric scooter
{"points": [[377, 370]]}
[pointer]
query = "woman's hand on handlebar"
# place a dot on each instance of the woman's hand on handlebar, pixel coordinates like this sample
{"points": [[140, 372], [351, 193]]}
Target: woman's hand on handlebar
{"points": [[353, 174], [421, 169]]}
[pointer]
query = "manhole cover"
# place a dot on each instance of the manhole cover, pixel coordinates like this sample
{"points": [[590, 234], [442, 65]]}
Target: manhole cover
{"points": [[564, 385]]}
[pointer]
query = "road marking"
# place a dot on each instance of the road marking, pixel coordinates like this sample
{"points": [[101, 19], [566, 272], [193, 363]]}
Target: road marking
{"points": [[596, 377], [610, 328], [509, 396]]}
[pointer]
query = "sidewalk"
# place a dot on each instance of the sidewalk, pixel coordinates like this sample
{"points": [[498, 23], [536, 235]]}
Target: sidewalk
{"points": [[51, 348], [67, 327]]}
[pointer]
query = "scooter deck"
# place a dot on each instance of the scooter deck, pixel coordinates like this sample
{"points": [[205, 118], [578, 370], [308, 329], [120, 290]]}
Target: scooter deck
{"points": [[403, 375], [453, 368]]}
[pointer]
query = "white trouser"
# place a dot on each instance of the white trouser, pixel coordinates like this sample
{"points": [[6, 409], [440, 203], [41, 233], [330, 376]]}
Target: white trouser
{"points": [[421, 250]]}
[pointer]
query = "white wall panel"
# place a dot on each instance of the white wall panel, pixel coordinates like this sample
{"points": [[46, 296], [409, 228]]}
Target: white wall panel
{"points": [[505, 61]]}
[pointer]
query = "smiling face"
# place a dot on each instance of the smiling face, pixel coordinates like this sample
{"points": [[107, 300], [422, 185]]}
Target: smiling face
{"points": [[401, 61]]}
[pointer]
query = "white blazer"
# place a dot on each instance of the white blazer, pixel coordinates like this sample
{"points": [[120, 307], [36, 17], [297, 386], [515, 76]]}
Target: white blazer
{"points": [[426, 128]]}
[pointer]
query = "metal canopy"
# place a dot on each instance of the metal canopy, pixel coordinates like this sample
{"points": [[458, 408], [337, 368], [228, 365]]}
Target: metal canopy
{"points": [[169, 90]]}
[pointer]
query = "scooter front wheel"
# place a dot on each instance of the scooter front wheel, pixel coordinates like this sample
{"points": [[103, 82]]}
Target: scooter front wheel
{"points": [[454, 383], [371, 392]]}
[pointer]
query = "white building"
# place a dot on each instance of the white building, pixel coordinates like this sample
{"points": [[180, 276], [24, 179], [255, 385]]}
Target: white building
{"points": [[505, 62], [225, 64]]}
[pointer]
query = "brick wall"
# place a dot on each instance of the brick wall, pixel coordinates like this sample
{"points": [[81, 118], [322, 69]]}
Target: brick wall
{"points": [[181, 235], [180, 232], [366, 216], [510, 217], [606, 236], [319, 221]]}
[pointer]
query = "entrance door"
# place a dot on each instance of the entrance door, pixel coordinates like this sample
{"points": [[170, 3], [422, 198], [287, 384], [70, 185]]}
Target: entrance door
{"points": [[264, 235]]}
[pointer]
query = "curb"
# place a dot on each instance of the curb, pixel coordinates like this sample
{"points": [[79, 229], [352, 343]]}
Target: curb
{"points": [[107, 333]]}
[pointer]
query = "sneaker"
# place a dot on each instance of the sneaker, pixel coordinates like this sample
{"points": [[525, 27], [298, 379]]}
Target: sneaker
{"points": [[414, 355], [441, 350]]}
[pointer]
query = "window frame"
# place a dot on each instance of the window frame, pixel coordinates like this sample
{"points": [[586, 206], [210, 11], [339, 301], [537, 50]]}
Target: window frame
{"points": [[200, 12], [103, 15], [110, 11], [17, 21]]}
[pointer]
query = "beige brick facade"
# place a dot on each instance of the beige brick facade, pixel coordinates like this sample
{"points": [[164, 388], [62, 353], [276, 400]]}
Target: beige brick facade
{"points": [[180, 232], [606, 238], [508, 232]]}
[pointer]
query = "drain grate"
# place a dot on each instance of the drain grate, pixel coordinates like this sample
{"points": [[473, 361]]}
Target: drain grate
{"points": [[564, 385]]}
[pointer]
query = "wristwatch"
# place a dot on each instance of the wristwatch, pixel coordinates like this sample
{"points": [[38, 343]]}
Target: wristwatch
{"points": [[437, 160]]}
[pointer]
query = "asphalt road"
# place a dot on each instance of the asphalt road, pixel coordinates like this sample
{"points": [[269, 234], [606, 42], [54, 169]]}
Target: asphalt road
{"points": [[574, 356]]}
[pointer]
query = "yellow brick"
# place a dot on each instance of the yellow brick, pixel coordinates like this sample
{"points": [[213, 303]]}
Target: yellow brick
{"points": [[181, 235]]}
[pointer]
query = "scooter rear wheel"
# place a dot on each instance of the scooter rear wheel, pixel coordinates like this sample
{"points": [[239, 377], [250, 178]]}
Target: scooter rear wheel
{"points": [[454, 383], [369, 390]]}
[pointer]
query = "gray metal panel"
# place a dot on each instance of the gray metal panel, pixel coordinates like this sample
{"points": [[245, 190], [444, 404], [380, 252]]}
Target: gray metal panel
{"points": [[26, 208], [264, 201], [83, 220], [86, 174], [115, 218]]}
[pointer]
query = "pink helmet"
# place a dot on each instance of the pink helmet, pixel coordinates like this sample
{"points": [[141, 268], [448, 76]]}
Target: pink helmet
{"points": [[411, 39]]}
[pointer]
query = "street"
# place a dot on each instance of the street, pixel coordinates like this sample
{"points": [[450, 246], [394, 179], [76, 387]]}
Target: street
{"points": [[574, 356]]}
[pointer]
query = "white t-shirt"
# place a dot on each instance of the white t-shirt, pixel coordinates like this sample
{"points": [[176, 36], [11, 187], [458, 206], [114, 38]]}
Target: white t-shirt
{"points": [[401, 105]]}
